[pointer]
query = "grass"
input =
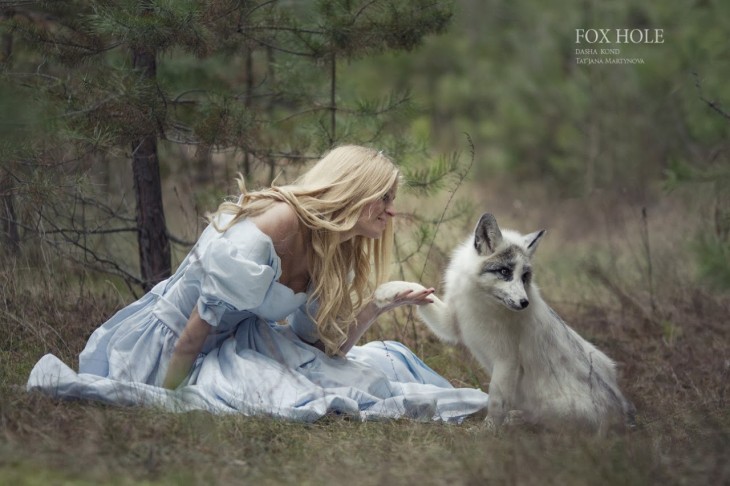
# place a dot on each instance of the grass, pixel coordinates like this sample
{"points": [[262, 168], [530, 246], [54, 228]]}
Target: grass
{"points": [[674, 365]]}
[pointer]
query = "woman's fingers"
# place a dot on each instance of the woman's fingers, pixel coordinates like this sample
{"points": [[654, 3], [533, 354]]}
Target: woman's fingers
{"points": [[417, 297]]}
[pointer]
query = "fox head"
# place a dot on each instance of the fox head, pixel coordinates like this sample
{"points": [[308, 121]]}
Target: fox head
{"points": [[505, 270]]}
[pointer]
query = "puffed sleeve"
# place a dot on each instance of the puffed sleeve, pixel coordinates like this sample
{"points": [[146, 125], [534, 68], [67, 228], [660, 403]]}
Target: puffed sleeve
{"points": [[232, 277]]}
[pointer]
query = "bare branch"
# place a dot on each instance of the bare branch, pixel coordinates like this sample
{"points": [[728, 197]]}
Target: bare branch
{"points": [[178, 240], [715, 105]]}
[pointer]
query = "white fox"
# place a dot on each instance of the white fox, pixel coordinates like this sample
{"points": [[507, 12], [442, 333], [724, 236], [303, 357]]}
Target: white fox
{"points": [[539, 366]]}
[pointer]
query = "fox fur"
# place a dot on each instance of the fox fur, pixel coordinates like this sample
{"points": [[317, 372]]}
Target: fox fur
{"points": [[539, 366]]}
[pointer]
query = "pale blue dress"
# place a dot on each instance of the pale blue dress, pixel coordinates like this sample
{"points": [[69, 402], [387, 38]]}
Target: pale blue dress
{"points": [[257, 360]]}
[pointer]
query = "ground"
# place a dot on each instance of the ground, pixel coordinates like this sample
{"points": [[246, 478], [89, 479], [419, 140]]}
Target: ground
{"points": [[621, 277]]}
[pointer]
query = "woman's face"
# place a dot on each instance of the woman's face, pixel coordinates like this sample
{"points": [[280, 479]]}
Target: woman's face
{"points": [[374, 216]]}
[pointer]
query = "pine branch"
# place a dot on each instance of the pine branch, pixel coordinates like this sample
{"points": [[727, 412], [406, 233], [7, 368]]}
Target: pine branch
{"points": [[277, 48]]}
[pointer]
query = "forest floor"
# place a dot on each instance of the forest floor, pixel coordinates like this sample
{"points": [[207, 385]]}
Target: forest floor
{"points": [[621, 279]]}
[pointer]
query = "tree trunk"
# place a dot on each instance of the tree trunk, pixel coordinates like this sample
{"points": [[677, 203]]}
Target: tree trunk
{"points": [[154, 246], [7, 212], [7, 47], [270, 106], [333, 99], [7, 37], [248, 103], [7, 205]]}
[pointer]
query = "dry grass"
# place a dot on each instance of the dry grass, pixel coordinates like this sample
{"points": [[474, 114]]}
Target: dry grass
{"points": [[674, 357]]}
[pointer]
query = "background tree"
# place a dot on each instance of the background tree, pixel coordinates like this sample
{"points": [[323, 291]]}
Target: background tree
{"points": [[133, 79], [627, 132]]}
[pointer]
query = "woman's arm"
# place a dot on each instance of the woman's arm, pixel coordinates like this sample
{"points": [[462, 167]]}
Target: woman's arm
{"points": [[371, 312], [187, 348]]}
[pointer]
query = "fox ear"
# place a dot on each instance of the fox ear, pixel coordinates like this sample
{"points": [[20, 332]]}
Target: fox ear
{"points": [[532, 240], [487, 235]]}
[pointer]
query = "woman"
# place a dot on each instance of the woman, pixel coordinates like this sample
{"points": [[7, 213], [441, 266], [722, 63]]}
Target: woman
{"points": [[210, 336]]}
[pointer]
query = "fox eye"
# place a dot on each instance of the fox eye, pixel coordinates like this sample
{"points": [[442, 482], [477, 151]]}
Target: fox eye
{"points": [[505, 272], [526, 277]]}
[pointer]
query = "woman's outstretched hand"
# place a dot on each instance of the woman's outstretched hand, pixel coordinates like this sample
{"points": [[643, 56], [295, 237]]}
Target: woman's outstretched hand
{"points": [[387, 296]]}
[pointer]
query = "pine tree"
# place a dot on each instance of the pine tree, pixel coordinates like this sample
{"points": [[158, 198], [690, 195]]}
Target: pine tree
{"points": [[103, 73]]}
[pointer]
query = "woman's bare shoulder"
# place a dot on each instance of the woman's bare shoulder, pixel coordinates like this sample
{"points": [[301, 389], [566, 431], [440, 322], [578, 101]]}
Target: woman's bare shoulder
{"points": [[279, 221]]}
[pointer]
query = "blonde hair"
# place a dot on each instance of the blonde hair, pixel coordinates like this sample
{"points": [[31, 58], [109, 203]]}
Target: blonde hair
{"points": [[328, 199]]}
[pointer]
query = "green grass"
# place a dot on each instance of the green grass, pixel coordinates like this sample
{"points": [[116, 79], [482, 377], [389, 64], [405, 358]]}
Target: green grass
{"points": [[47, 440]]}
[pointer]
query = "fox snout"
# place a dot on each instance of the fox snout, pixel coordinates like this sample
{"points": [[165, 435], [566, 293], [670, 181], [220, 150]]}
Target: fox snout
{"points": [[511, 301], [518, 305], [511, 294]]}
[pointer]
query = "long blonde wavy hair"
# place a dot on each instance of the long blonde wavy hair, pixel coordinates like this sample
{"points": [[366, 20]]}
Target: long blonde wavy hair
{"points": [[328, 199]]}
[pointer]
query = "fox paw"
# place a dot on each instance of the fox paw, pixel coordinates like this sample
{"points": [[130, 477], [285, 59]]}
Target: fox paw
{"points": [[514, 418], [385, 294], [491, 424], [503, 422]]}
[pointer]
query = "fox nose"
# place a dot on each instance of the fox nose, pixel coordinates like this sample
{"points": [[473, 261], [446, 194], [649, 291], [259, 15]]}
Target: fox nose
{"points": [[524, 303]]}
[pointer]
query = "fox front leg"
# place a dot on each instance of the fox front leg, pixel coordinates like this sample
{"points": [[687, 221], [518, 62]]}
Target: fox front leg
{"points": [[436, 315], [502, 392]]}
